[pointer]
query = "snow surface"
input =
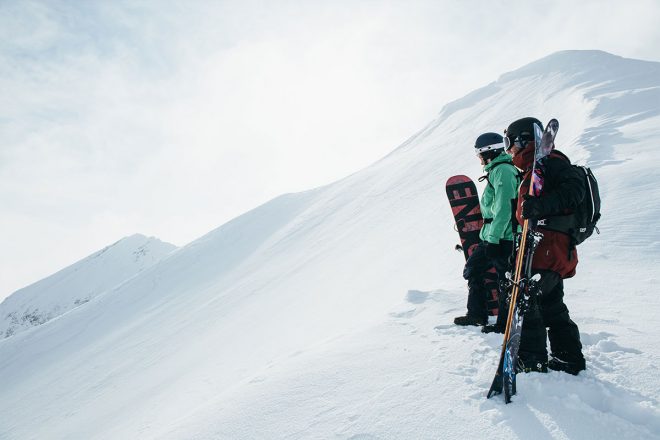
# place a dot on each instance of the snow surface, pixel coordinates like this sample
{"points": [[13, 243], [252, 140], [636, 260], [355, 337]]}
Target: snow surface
{"points": [[327, 314], [79, 283]]}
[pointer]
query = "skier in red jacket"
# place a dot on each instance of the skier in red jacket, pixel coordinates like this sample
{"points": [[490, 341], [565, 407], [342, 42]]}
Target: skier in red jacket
{"points": [[555, 257]]}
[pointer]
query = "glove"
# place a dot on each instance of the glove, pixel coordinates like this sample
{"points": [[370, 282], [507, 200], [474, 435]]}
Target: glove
{"points": [[467, 271], [532, 207], [493, 251]]}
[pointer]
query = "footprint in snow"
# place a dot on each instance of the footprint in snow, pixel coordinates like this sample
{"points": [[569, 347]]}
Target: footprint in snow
{"points": [[602, 342], [594, 338], [592, 396], [611, 347], [602, 353], [417, 296]]}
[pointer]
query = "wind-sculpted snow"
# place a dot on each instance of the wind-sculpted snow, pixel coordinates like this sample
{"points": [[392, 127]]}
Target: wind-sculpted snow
{"points": [[328, 314]]}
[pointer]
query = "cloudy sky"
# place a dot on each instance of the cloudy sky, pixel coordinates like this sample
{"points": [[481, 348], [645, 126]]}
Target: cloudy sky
{"points": [[170, 118]]}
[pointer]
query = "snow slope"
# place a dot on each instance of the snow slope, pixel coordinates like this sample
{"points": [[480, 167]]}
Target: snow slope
{"points": [[327, 314], [79, 283]]}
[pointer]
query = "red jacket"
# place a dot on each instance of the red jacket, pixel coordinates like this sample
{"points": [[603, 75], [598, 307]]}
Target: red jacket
{"points": [[561, 192]]}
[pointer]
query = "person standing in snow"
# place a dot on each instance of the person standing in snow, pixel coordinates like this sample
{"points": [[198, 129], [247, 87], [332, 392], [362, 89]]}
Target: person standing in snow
{"points": [[555, 257], [496, 234]]}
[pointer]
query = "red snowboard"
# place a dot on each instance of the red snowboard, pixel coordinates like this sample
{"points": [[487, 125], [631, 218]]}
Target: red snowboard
{"points": [[464, 201]]}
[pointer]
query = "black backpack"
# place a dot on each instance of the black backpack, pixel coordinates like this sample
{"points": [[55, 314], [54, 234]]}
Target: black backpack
{"points": [[582, 223], [587, 212]]}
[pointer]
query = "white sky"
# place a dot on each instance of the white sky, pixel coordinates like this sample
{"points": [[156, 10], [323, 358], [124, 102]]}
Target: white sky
{"points": [[170, 118]]}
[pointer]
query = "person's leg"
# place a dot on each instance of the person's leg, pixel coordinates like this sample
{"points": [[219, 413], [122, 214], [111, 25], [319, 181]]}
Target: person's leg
{"points": [[502, 266], [474, 270], [532, 353], [564, 335]]}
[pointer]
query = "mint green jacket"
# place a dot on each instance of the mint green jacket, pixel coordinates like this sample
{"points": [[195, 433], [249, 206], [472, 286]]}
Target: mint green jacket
{"points": [[496, 199]]}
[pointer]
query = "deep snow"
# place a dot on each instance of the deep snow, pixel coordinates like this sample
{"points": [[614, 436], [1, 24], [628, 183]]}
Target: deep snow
{"points": [[327, 314]]}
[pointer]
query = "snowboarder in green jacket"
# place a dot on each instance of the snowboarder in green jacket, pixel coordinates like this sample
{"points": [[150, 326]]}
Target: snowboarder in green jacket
{"points": [[496, 234]]}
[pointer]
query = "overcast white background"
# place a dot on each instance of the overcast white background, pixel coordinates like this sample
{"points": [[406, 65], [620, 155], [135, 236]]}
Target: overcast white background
{"points": [[171, 118]]}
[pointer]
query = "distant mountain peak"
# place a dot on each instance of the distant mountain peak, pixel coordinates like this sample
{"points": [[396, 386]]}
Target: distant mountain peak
{"points": [[575, 62], [575, 68], [80, 282]]}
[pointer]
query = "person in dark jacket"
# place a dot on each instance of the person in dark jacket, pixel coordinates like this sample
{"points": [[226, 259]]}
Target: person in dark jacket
{"points": [[555, 258], [496, 234]]}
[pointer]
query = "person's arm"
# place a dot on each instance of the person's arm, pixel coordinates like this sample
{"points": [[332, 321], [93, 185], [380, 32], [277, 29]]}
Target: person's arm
{"points": [[568, 190], [505, 184], [565, 191]]}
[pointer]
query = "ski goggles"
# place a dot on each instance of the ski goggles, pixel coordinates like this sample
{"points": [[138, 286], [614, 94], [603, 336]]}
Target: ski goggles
{"points": [[520, 141], [483, 149]]}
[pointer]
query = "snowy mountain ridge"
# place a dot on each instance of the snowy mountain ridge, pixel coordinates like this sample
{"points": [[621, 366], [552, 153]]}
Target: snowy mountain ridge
{"points": [[328, 313], [79, 283]]}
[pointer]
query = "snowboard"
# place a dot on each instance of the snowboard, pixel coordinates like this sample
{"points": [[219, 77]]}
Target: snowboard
{"points": [[464, 202]]}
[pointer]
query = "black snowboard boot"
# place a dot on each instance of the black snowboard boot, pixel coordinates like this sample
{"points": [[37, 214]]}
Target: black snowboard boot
{"points": [[493, 328], [570, 367], [469, 320]]}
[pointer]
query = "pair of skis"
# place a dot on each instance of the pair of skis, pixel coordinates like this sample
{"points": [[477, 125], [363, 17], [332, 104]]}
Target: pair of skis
{"points": [[464, 201]]}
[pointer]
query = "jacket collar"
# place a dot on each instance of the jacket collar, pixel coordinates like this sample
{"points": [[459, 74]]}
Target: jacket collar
{"points": [[502, 158]]}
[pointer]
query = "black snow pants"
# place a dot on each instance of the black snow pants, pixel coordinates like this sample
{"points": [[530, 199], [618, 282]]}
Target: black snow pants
{"points": [[475, 268], [552, 314]]}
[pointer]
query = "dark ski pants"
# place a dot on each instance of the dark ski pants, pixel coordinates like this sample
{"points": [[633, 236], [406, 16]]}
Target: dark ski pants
{"points": [[475, 268], [552, 314]]}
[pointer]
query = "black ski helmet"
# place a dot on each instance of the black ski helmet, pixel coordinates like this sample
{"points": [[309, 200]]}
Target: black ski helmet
{"points": [[489, 145], [522, 129]]}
